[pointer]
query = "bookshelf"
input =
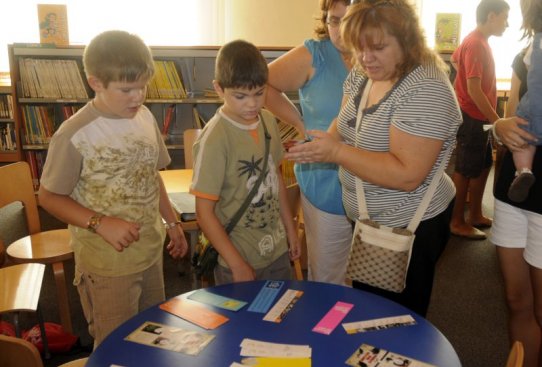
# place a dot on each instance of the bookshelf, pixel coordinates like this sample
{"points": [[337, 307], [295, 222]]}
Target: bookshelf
{"points": [[10, 147], [47, 89]]}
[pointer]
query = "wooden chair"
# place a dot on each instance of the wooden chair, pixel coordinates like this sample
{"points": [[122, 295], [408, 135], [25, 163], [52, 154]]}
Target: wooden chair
{"points": [[49, 247], [21, 287], [516, 355], [15, 352], [294, 199], [189, 137]]}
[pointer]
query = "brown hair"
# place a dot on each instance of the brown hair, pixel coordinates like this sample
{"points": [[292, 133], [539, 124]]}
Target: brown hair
{"points": [[115, 56], [398, 19], [321, 31], [532, 17], [239, 64]]}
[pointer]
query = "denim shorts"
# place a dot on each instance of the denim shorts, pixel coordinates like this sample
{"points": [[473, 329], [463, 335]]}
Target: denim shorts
{"points": [[473, 150]]}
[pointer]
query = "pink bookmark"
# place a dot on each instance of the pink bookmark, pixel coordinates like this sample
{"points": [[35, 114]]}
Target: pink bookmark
{"points": [[334, 316]]}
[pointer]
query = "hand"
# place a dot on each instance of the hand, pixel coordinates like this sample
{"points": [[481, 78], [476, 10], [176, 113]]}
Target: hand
{"points": [[294, 250], [511, 134], [177, 246], [118, 232], [243, 273], [323, 148]]}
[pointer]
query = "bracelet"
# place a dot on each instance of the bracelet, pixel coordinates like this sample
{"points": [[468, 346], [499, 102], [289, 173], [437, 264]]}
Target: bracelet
{"points": [[94, 222], [494, 133], [172, 224]]}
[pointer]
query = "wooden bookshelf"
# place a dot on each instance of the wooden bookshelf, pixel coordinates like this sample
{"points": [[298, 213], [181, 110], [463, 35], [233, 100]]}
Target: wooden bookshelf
{"points": [[178, 96], [10, 147]]}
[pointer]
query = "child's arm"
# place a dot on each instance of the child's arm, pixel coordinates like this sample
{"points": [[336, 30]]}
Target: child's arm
{"points": [[215, 233], [116, 231], [288, 219], [177, 246]]}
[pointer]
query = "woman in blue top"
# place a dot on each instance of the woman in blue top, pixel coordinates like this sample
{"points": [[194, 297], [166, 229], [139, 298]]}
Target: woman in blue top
{"points": [[317, 69]]}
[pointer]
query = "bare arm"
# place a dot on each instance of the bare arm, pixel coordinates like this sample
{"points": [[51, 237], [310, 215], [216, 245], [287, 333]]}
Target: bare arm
{"points": [[177, 246], [116, 231], [288, 73], [216, 234], [474, 88], [403, 167]]}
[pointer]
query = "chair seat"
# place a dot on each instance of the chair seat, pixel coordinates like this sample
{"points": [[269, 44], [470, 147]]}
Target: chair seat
{"points": [[44, 247], [21, 287]]}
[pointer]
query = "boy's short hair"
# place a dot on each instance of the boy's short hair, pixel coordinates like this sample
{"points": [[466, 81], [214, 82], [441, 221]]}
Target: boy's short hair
{"points": [[490, 6], [239, 64], [115, 56]]}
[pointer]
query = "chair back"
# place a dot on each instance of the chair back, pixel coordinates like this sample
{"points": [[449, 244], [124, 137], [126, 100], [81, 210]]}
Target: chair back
{"points": [[16, 186], [294, 199], [515, 358], [15, 352], [189, 137]]}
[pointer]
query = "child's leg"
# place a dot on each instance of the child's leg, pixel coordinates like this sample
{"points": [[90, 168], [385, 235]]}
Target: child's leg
{"points": [[523, 160]]}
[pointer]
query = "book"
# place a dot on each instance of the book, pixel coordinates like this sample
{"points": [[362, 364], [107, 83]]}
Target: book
{"points": [[53, 24], [171, 338], [447, 31]]}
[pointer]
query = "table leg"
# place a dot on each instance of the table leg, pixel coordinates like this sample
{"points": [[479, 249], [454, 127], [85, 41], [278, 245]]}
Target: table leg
{"points": [[62, 296]]}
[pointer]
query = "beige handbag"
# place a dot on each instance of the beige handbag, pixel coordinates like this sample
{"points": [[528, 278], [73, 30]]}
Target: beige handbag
{"points": [[380, 255]]}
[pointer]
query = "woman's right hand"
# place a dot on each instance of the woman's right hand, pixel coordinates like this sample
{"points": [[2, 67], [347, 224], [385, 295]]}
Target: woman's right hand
{"points": [[511, 134]]}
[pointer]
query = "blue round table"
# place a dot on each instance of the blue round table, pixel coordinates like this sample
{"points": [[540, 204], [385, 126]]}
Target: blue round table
{"points": [[421, 341]]}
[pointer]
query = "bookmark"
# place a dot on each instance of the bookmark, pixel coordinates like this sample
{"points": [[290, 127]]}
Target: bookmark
{"points": [[334, 316], [217, 300], [266, 296]]}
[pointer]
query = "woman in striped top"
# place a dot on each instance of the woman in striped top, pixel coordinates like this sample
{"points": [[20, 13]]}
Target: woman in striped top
{"points": [[406, 132]]}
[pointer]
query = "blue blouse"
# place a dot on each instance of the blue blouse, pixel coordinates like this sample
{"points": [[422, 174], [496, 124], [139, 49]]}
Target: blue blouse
{"points": [[320, 100]]}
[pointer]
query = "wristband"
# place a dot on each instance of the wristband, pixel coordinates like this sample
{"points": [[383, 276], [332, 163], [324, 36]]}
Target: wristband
{"points": [[494, 133], [172, 224], [94, 222]]}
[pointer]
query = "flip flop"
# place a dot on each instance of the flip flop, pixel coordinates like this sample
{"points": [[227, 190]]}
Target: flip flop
{"points": [[475, 234]]}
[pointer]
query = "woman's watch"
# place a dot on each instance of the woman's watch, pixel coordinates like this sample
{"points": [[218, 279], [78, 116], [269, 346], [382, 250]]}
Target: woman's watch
{"points": [[172, 224]]}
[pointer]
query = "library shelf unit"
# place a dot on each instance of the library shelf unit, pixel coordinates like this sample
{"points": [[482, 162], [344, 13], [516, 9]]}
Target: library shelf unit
{"points": [[10, 147], [44, 82]]}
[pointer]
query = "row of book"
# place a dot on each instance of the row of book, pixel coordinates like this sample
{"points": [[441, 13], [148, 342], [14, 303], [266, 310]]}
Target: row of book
{"points": [[40, 122], [36, 161], [6, 106], [8, 140], [167, 82], [55, 79]]}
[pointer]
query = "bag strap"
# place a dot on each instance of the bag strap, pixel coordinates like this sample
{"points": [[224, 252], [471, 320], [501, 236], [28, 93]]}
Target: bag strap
{"points": [[235, 219], [360, 192]]}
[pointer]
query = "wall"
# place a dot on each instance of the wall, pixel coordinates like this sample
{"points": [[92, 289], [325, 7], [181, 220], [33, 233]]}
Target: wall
{"points": [[269, 23]]}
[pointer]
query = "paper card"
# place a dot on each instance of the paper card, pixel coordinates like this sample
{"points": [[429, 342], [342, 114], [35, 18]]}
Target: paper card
{"points": [[53, 24], [217, 300], [283, 306], [194, 313], [378, 324], [256, 348], [276, 362], [171, 338], [369, 356], [333, 318], [266, 296]]}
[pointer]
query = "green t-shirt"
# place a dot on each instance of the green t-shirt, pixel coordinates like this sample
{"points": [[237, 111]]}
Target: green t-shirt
{"points": [[228, 158]]}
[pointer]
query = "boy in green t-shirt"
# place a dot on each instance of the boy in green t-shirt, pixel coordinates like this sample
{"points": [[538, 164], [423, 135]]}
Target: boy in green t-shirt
{"points": [[101, 177], [229, 157]]}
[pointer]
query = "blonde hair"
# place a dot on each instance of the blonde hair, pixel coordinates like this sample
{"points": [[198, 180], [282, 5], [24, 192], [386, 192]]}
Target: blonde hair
{"points": [[398, 19], [532, 17]]}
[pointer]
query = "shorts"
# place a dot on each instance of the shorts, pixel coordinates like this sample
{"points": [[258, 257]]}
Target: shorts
{"points": [[517, 228], [473, 150]]}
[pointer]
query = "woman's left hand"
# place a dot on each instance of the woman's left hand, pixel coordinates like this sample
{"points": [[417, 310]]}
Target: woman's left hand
{"points": [[323, 147]]}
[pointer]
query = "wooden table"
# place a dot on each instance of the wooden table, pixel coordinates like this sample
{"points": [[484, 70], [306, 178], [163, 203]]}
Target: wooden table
{"points": [[179, 180]]}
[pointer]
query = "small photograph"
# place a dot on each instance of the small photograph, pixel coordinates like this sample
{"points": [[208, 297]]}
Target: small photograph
{"points": [[170, 338]]}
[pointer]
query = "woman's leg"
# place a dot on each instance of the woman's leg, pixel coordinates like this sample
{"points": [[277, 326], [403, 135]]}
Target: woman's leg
{"points": [[522, 324]]}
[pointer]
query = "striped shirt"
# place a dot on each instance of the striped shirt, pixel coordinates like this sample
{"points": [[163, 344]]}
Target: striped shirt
{"points": [[423, 104]]}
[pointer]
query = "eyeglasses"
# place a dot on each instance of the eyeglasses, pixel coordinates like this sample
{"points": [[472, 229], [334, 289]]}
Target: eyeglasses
{"points": [[333, 22]]}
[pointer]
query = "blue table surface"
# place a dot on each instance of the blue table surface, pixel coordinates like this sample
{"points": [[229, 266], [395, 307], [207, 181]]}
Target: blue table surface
{"points": [[421, 341]]}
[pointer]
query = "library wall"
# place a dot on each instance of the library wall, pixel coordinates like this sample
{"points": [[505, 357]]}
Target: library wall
{"points": [[270, 23]]}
